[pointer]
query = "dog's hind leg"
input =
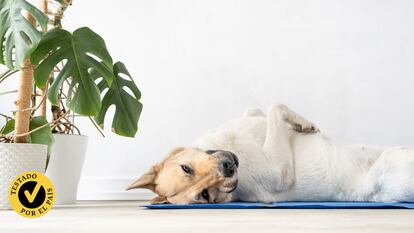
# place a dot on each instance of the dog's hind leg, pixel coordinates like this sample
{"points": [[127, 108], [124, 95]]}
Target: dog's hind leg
{"points": [[391, 177]]}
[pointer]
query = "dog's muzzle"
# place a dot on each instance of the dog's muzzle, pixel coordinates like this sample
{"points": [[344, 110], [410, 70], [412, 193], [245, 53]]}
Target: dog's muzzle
{"points": [[228, 164]]}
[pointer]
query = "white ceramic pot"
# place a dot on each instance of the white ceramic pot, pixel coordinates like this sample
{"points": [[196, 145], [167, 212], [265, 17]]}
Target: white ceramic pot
{"points": [[16, 158], [65, 166]]}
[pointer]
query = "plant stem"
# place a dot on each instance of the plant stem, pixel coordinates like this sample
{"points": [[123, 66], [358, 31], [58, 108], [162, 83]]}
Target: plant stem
{"points": [[5, 116], [40, 127], [8, 92], [7, 74], [97, 126], [42, 100]]}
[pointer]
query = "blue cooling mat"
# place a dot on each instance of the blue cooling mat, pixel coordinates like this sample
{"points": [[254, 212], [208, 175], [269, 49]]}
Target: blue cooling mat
{"points": [[289, 205]]}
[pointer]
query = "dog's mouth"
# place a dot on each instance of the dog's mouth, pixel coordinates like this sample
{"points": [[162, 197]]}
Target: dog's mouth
{"points": [[233, 188], [230, 186]]}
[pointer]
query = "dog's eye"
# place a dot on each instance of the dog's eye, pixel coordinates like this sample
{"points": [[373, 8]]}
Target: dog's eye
{"points": [[187, 169], [205, 194]]}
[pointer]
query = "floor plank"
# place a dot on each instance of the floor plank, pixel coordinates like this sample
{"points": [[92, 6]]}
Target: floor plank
{"points": [[127, 216]]}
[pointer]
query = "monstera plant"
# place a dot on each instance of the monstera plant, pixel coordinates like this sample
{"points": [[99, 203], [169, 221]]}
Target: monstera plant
{"points": [[73, 71]]}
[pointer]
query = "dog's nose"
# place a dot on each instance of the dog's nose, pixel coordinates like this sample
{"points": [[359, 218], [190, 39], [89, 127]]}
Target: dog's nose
{"points": [[228, 167], [228, 162]]}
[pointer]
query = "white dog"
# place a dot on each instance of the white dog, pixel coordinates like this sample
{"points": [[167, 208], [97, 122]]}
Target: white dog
{"points": [[281, 157]]}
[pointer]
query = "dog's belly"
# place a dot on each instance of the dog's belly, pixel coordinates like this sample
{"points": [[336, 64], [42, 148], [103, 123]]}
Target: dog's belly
{"points": [[313, 172], [324, 170], [320, 170]]}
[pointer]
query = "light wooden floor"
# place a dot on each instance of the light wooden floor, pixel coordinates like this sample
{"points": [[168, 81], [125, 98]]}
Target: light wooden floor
{"points": [[127, 216]]}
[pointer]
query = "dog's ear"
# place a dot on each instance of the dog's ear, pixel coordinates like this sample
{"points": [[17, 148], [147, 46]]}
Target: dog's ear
{"points": [[159, 200], [147, 180]]}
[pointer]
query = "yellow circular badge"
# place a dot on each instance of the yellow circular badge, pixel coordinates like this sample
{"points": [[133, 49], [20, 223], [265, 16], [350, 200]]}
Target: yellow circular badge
{"points": [[31, 194]]}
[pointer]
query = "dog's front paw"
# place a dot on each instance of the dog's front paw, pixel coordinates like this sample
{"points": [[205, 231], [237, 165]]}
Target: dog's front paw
{"points": [[305, 127]]}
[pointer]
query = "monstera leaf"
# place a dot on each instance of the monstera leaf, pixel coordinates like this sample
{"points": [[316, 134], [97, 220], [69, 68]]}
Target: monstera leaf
{"points": [[128, 108], [43, 135], [80, 51], [8, 127], [17, 33]]}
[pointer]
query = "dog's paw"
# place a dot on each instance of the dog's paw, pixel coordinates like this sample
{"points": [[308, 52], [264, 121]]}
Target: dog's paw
{"points": [[303, 126]]}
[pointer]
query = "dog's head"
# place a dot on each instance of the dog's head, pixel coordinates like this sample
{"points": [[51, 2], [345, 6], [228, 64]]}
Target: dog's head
{"points": [[190, 175]]}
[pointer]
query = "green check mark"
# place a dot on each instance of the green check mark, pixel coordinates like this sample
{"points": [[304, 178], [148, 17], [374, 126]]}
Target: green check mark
{"points": [[31, 196]]}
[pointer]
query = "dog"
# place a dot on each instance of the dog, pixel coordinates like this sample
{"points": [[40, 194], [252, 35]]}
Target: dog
{"points": [[279, 157]]}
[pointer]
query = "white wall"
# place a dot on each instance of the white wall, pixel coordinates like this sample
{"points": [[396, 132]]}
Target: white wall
{"points": [[346, 65]]}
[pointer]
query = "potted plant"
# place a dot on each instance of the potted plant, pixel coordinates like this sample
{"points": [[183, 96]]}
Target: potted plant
{"points": [[19, 37], [76, 73]]}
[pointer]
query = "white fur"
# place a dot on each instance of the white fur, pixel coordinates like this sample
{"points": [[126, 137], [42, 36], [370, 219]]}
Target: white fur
{"points": [[278, 163]]}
